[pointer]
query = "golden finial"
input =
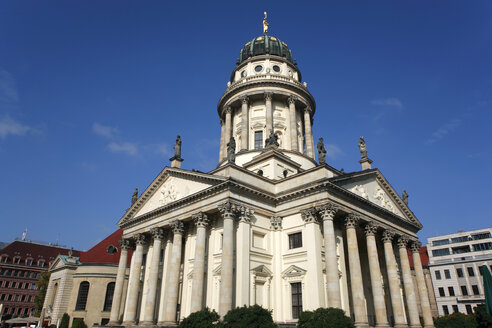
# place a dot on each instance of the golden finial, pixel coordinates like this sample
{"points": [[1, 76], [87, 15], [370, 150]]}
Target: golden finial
{"points": [[265, 24]]}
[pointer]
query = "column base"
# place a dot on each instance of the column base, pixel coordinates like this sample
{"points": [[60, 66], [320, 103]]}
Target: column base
{"points": [[146, 323], [400, 325], [128, 323], [382, 325], [114, 324], [361, 324], [428, 326], [167, 324]]}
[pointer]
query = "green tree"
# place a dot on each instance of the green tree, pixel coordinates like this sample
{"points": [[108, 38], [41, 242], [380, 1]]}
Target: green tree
{"points": [[484, 320], [200, 319], [325, 318], [248, 317], [78, 323], [64, 321], [42, 287], [456, 320]]}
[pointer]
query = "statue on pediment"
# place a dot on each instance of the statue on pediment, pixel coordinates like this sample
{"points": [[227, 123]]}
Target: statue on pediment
{"points": [[404, 197], [272, 140], [177, 148], [321, 151], [362, 148], [135, 196]]}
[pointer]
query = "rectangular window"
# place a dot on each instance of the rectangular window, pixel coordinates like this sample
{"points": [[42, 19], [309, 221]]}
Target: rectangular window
{"points": [[455, 308], [461, 239], [438, 274], [479, 236], [451, 291], [464, 291], [295, 240], [471, 273], [461, 249], [459, 272], [475, 290], [445, 309], [441, 292], [447, 274], [482, 247], [296, 289], [468, 309], [440, 242], [258, 139], [440, 252]]}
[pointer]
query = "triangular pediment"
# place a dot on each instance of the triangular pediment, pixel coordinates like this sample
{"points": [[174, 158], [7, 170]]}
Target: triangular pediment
{"points": [[171, 185], [273, 163], [63, 261], [293, 271], [262, 270], [374, 187]]}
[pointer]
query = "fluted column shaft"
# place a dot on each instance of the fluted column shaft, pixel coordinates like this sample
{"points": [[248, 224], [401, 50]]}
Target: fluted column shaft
{"points": [[269, 113], [424, 297], [393, 280], [309, 134], [226, 277], [158, 234], [114, 318], [375, 273], [222, 138], [242, 253], [360, 312], [228, 129], [173, 278], [293, 124], [244, 123], [327, 213], [134, 283], [413, 311], [201, 222]]}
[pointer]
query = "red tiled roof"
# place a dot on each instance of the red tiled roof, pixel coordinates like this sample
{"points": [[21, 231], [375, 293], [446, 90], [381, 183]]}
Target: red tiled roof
{"points": [[26, 249], [424, 257], [99, 253]]}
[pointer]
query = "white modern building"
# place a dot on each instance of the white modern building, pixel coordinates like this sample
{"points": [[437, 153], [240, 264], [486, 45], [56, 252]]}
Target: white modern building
{"points": [[454, 264]]}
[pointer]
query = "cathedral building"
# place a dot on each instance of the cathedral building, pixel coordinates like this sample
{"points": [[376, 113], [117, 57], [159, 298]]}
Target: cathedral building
{"points": [[269, 225]]}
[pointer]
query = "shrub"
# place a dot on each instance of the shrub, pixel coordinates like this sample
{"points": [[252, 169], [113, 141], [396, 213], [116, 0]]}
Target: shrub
{"points": [[78, 323], [484, 320], [325, 318], [456, 320], [64, 320], [248, 317], [200, 319]]}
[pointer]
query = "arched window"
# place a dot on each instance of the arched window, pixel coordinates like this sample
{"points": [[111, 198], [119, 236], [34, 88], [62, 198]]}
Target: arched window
{"points": [[53, 295], [108, 300], [82, 297]]}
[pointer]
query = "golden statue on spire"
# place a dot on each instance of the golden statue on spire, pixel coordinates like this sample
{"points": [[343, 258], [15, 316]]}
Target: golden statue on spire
{"points": [[265, 24]]}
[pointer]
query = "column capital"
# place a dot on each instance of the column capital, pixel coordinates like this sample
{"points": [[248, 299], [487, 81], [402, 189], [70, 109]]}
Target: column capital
{"points": [[228, 110], [268, 95], [177, 226], [125, 244], [309, 215], [307, 110], [244, 213], [402, 242], [388, 236], [327, 211], [244, 99], [292, 99], [371, 229], [276, 222], [222, 122], [352, 220], [415, 246], [140, 239], [226, 209], [158, 233], [200, 219]]}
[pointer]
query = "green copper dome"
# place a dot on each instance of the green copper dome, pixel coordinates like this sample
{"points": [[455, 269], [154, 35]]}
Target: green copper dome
{"points": [[263, 45]]}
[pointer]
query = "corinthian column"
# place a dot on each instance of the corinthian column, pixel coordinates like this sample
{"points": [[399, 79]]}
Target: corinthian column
{"points": [[413, 311], [226, 278], [269, 113], [244, 123], [134, 281], [375, 272], [173, 278], [228, 129], [222, 138], [158, 234], [315, 268], [293, 123], [393, 280], [309, 133], [114, 318], [424, 297], [327, 213], [242, 254], [201, 221], [360, 312]]}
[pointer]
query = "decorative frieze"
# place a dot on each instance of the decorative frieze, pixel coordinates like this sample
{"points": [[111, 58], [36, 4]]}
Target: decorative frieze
{"points": [[276, 222], [200, 219], [177, 226]]}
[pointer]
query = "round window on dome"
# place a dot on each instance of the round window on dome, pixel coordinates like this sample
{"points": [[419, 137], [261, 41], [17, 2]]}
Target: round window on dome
{"points": [[258, 68], [276, 68]]}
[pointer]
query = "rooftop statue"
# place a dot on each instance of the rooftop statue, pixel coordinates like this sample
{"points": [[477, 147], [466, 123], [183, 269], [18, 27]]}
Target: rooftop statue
{"points": [[404, 197], [362, 148], [321, 151], [177, 148], [265, 24], [135, 196], [231, 150], [272, 140]]}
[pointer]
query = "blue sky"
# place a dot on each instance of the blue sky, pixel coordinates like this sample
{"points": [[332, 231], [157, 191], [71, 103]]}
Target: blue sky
{"points": [[93, 94]]}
